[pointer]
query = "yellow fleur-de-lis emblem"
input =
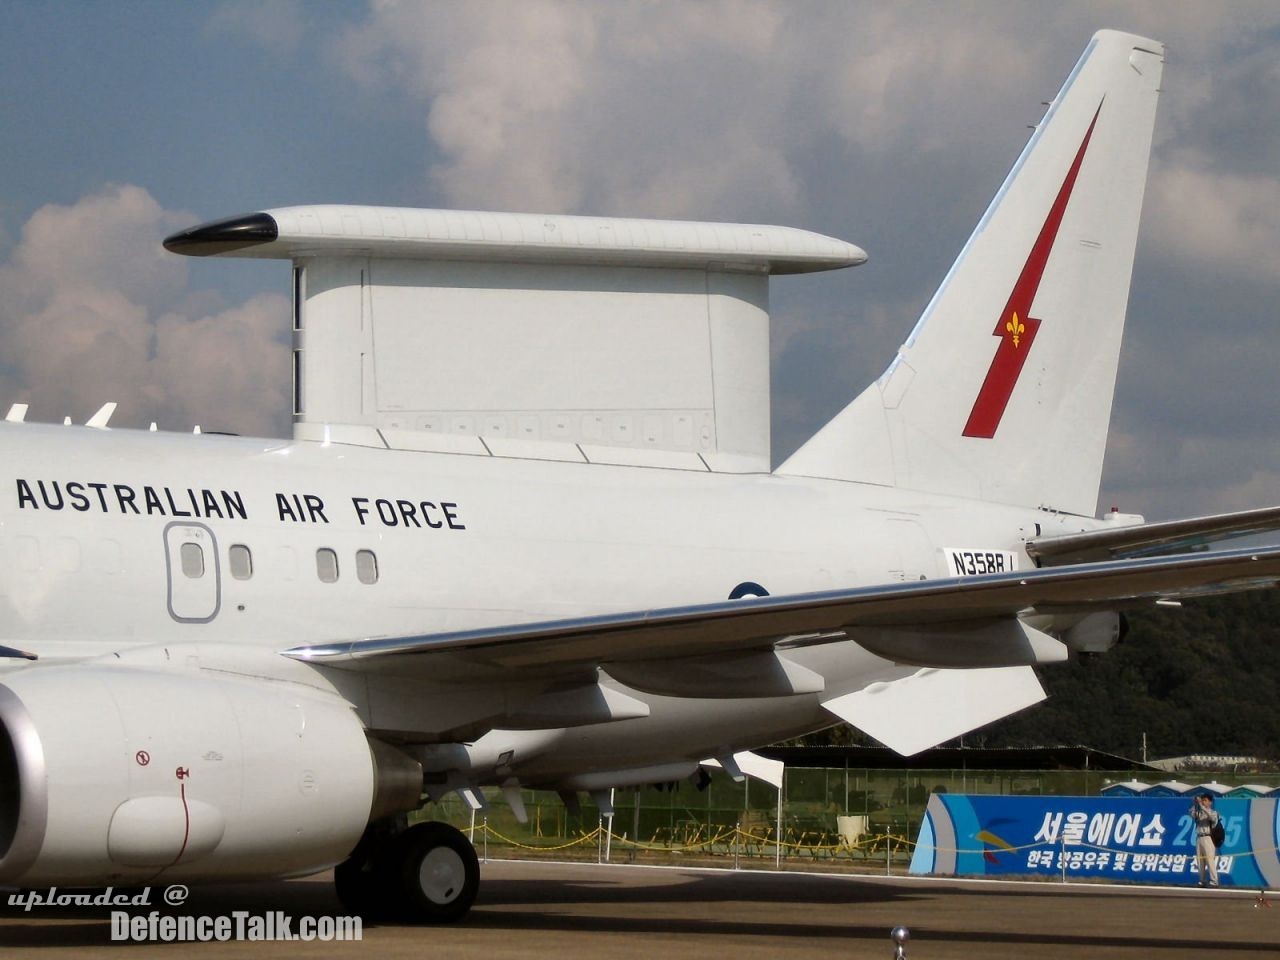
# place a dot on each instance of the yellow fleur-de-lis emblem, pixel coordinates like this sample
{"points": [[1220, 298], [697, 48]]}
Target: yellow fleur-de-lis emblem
{"points": [[1017, 328]]}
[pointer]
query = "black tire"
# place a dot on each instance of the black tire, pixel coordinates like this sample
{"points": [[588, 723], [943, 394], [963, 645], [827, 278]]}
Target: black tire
{"points": [[352, 883], [439, 873]]}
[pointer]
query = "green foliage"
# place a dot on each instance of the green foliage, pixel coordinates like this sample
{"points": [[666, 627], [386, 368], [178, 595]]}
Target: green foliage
{"points": [[1201, 679]]}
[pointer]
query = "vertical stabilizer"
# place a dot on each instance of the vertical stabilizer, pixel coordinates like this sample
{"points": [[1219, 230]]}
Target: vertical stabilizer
{"points": [[1003, 390]]}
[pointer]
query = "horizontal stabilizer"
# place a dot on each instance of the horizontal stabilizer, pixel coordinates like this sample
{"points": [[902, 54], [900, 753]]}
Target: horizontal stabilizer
{"points": [[1152, 539], [933, 706]]}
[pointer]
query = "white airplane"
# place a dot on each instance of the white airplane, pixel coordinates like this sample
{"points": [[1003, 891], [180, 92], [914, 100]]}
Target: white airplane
{"points": [[525, 534]]}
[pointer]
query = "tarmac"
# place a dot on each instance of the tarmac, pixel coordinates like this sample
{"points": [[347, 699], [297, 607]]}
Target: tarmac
{"points": [[618, 912]]}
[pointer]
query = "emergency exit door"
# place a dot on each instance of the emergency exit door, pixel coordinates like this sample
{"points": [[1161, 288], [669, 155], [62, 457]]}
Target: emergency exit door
{"points": [[191, 558]]}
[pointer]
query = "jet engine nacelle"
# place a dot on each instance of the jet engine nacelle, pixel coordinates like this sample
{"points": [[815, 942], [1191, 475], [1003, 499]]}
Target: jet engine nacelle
{"points": [[117, 775]]}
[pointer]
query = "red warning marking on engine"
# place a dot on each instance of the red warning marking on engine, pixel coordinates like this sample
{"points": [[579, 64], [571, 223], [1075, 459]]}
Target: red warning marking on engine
{"points": [[142, 757], [1016, 328], [182, 773], [186, 817]]}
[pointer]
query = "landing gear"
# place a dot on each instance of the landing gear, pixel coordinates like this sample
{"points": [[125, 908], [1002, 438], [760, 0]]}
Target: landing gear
{"points": [[439, 873], [427, 873]]}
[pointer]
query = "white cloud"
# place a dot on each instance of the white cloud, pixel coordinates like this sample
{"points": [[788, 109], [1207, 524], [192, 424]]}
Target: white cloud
{"points": [[886, 123], [108, 240], [278, 27], [1165, 477], [89, 317], [229, 369], [672, 109], [679, 109], [1216, 220]]}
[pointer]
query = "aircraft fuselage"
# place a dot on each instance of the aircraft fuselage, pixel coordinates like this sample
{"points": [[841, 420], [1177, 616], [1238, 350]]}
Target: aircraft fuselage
{"points": [[302, 543]]}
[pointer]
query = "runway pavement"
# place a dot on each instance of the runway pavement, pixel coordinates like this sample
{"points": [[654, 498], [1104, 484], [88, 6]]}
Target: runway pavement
{"points": [[533, 909]]}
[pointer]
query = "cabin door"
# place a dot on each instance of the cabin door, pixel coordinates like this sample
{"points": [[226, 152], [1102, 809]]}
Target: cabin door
{"points": [[191, 559]]}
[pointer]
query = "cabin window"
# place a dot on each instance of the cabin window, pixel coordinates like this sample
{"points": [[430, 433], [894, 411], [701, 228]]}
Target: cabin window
{"points": [[241, 562], [192, 560], [367, 566], [297, 298], [297, 381], [326, 565]]}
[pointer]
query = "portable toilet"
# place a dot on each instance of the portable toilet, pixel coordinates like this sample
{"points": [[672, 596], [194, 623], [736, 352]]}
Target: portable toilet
{"points": [[1213, 786], [1130, 788], [1168, 788], [852, 829], [1247, 791]]}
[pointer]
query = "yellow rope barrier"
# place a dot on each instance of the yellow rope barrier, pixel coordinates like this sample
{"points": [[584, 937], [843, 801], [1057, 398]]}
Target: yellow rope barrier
{"points": [[585, 838], [735, 836], [728, 838]]}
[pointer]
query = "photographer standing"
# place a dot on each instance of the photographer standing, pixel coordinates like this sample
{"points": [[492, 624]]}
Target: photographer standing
{"points": [[1205, 818]]}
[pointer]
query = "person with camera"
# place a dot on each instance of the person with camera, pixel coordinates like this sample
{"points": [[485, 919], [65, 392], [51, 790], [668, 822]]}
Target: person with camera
{"points": [[1205, 819]]}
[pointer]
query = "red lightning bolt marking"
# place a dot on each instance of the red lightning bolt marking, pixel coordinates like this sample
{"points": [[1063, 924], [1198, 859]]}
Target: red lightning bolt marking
{"points": [[1015, 328]]}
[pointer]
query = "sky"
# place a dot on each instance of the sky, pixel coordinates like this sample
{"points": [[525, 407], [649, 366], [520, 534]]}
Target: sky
{"points": [[888, 125]]}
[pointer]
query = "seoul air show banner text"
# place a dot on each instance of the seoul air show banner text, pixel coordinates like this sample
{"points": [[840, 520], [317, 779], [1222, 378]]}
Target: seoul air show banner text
{"points": [[1126, 839]]}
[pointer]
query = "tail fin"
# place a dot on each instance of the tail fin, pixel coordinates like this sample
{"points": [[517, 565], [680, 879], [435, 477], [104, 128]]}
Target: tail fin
{"points": [[1003, 390]]}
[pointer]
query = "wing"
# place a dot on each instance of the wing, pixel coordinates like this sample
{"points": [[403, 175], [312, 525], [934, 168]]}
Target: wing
{"points": [[1151, 539], [916, 611]]}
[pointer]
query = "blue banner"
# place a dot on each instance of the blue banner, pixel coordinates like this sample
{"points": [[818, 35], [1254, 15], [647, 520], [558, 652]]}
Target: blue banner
{"points": [[1134, 839]]}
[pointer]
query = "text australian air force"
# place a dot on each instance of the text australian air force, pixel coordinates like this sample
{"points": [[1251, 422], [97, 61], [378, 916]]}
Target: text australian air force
{"points": [[220, 504]]}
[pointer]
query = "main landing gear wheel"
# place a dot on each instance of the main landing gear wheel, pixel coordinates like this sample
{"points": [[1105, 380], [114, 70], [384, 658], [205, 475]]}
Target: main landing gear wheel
{"points": [[425, 874], [439, 873]]}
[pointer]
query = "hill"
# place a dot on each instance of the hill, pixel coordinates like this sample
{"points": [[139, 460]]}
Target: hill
{"points": [[1203, 678]]}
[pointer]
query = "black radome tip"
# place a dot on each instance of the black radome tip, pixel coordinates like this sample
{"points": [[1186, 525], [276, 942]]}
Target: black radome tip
{"points": [[224, 236]]}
